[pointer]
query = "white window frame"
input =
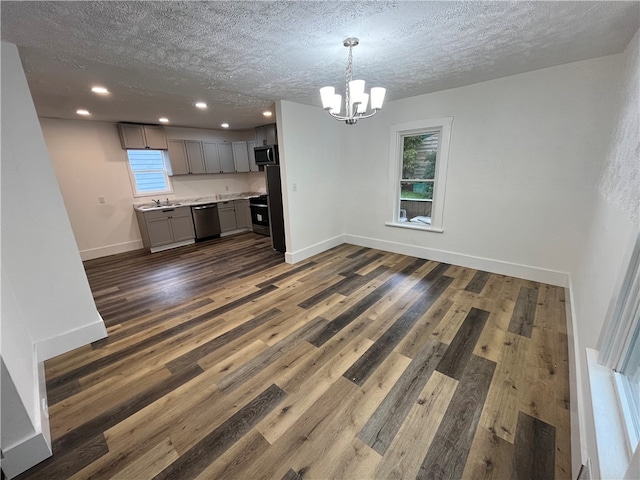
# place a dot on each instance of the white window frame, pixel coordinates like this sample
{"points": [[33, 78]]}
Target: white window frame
{"points": [[396, 145], [619, 343], [134, 185]]}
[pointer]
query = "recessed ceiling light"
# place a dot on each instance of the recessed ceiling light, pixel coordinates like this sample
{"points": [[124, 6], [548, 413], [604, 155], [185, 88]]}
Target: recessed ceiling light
{"points": [[82, 111], [266, 113], [100, 90], [201, 105], [163, 120], [225, 125]]}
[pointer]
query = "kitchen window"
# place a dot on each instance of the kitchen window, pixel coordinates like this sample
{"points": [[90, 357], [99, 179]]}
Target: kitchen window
{"points": [[418, 172], [148, 172]]}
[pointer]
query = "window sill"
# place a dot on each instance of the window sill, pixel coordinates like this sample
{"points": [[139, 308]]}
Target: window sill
{"points": [[414, 226], [610, 436]]}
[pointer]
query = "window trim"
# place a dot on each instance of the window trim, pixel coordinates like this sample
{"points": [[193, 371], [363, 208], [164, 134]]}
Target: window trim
{"points": [[396, 144], [134, 185], [615, 347]]}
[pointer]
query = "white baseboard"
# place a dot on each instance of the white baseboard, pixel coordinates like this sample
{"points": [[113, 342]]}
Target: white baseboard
{"points": [[36, 446], [535, 274], [68, 341], [295, 257], [92, 253], [24, 455], [173, 245]]}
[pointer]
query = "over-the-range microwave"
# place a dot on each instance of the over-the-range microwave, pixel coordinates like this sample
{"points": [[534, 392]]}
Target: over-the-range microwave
{"points": [[267, 155]]}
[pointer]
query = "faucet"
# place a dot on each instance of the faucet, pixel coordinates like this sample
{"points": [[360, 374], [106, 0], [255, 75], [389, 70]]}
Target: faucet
{"points": [[157, 202]]}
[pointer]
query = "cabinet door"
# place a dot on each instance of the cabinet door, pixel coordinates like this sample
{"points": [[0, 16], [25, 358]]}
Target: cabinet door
{"points": [[241, 156], [195, 156], [159, 231], [226, 157], [182, 225], [178, 157], [155, 137], [227, 214], [211, 157], [261, 136], [272, 135], [243, 214], [132, 136], [252, 156]]}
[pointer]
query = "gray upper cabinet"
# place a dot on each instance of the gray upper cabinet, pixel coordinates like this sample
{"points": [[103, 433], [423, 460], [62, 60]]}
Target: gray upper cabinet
{"points": [[178, 157], [266, 135], [208, 156], [211, 157], [138, 137], [186, 157], [241, 156], [195, 157], [252, 156], [225, 150]]}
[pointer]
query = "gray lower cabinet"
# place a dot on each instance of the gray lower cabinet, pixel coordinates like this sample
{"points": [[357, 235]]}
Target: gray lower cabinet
{"points": [[164, 227], [227, 214], [243, 214]]}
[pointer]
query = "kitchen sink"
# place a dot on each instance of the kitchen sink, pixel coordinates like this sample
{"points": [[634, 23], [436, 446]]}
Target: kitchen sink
{"points": [[159, 207]]}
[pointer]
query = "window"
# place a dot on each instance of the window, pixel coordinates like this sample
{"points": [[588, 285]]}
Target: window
{"points": [[620, 349], [147, 169], [418, 172]]}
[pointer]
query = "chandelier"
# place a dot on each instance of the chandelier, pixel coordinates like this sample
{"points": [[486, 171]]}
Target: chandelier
{"points": [[355, 100]]}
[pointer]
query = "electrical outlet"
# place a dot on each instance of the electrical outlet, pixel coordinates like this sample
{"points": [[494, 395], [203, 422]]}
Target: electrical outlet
{"points": [[226, 187], [294, 187], [101, 199]]}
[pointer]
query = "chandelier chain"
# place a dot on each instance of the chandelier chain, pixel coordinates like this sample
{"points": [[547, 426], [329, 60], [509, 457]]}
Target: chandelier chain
{"points": [[348, 77]]}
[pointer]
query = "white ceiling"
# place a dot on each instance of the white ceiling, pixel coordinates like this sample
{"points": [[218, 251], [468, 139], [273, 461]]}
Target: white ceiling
{"points": [[158, 58]]}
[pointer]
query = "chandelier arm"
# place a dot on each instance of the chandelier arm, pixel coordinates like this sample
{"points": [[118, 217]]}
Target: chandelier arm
{"points": [[353, 117]]}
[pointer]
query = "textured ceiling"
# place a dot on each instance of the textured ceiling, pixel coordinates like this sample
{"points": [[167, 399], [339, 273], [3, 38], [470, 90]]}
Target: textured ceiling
{"points": [[158, 58]]}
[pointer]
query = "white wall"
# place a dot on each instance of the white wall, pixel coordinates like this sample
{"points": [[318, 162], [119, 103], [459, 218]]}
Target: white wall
{"points": [[311, 155], [612, 229], [525, 152], [89, 162], [47, 306]]}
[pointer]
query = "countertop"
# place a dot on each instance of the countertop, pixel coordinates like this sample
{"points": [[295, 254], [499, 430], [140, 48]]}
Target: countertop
{"points": [[194, 201]]}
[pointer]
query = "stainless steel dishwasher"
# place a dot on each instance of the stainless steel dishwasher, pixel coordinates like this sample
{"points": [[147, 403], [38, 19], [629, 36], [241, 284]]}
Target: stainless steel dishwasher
{"points": [[206, 221]]}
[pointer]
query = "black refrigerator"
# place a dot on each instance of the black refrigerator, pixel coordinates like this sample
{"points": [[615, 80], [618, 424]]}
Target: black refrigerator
{"points": [[274, 200]]}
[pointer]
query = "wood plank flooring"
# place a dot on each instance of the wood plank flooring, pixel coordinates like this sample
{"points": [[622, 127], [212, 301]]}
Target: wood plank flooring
{"points": [[223, 362]]}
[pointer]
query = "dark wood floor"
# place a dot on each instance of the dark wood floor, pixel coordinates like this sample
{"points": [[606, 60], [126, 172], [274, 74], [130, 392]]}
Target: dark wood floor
{"points": [[224, 362]]}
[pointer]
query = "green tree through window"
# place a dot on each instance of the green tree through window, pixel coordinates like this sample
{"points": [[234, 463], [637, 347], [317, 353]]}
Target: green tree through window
{"points": [[419, 157]]}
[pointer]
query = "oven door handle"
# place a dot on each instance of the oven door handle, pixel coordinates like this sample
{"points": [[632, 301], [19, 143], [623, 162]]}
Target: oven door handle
{"points": [[258, 205]]}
